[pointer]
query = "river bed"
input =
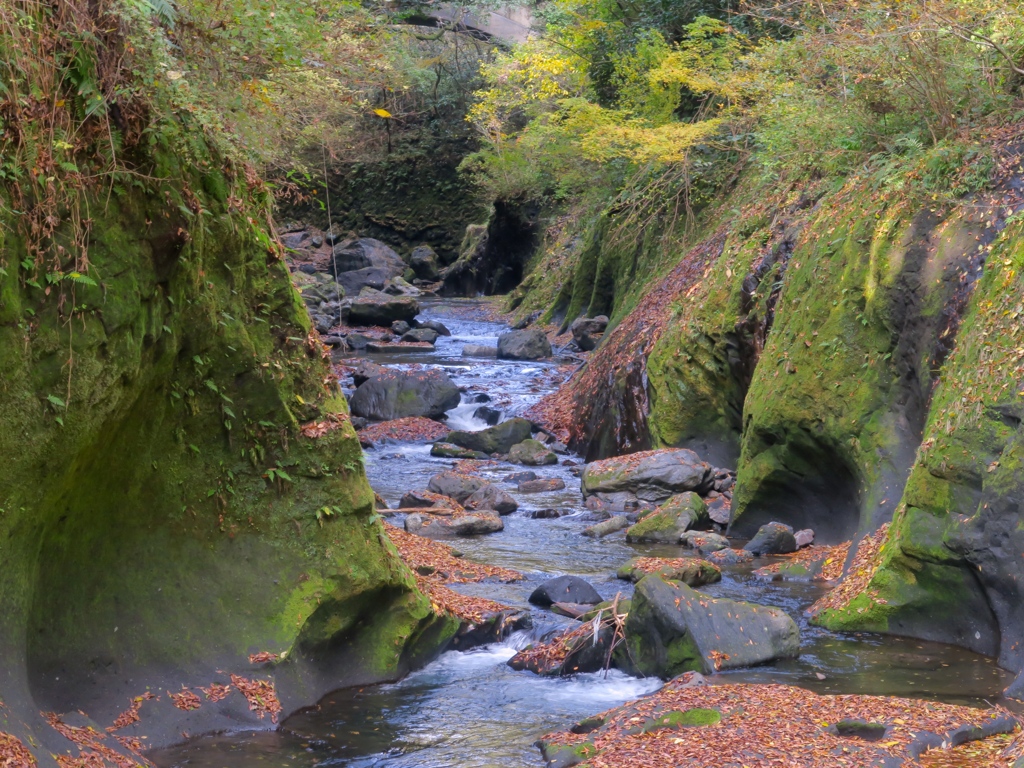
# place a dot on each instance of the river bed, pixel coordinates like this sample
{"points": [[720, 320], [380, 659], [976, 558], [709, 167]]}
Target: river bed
{"points": [[470, 710]]}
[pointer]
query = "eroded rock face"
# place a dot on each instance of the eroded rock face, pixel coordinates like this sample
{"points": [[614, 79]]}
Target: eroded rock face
{"points": [[672, 629], [651, 476], [530, 344], [395, 394]]}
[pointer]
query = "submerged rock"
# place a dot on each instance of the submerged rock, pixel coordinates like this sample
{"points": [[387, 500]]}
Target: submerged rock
{"points": [[565, 589], [673, 629], [607, 527], [452, 451], [395, 394], [772, 539], [669, 521], [496, 439], [532, 453], [651, 476], [531, 344], [541, 486], [479, 350]]}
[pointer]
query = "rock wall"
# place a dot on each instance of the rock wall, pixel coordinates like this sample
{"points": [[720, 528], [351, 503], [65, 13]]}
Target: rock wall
{"points": [[855, 353], [181, 485]]}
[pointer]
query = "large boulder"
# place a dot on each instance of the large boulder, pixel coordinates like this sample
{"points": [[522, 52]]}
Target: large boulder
{"points": [[704, 541], [531, 344], [565, 589], [497, 439], [456, 485], [364, 253], [355, 281], [435, 325], [673, 629], [651, 476], [420, 335], [692, 571], [382, 310], [587, 332], [423, 261], [669, 521], [428, 499], [532, 453], [492, 497], [396, 394], [772, 539], [439, 527]]}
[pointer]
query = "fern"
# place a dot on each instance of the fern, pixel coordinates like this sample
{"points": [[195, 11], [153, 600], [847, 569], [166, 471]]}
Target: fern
{"points": [[165, 11]]}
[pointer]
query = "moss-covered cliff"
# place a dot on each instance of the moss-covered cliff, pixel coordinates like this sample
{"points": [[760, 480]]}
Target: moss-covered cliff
{"points": [[181, 486], [813, 337]]}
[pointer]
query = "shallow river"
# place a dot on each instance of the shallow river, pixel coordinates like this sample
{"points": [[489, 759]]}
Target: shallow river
{"points": [[470, 710]]}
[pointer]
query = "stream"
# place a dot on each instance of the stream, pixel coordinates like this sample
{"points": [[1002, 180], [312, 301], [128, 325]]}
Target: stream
{"points": [[470, 710]]}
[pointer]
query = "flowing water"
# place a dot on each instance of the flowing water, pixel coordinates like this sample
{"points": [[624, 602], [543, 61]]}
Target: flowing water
{"points": [[470, 710]]}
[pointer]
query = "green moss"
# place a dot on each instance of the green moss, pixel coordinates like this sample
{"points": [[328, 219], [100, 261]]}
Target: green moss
{"points": [[142, 530]]}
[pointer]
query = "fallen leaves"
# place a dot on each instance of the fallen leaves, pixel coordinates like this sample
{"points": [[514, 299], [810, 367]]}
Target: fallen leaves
{"points": [[474, 610], [216, 691], [771, 726], [14, 754], [434, 562], [185, 700], [834, 558], [93, 753], [261, 696], [263, 657], [859, 575], [315, 429], [130, 715], [412, 429]]}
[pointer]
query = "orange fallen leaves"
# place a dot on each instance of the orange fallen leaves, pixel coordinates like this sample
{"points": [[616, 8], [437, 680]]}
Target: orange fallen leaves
{"points": [[185, 700], [261, 696], [832, 569], [423, 555], [216, 691], [93, 753], [859, 575], [474, 610], [14, 754], [315, 429], [130, 715], [263, 657], [770, 726], [412, 429]]}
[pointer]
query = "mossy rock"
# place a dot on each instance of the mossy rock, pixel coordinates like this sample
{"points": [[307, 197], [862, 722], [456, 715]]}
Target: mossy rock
{"points": [[670, 521]]}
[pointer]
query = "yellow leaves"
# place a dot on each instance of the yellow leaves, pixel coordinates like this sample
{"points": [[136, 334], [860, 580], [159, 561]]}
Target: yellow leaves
{"points": [[382, 113]]}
